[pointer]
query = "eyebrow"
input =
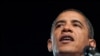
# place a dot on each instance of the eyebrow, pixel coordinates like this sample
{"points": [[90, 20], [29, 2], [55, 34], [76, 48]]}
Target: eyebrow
{"points": [[60, 21], [76, 21], [73, 21]]}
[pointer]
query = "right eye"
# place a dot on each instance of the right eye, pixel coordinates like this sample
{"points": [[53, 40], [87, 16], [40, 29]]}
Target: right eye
{"points": [[59, 25]]}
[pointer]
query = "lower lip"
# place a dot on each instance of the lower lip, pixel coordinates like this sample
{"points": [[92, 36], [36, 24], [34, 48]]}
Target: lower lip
{"points": [[66, 41]]}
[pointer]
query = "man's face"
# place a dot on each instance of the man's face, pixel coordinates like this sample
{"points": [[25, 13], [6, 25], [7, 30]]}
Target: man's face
{"points": [[70, 32]]}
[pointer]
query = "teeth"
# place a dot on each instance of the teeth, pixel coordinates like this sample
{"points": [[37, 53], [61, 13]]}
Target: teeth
{"points": [[66, 38]]}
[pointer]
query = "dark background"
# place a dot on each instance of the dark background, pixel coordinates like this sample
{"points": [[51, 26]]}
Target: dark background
{"points": [[25, 26]]}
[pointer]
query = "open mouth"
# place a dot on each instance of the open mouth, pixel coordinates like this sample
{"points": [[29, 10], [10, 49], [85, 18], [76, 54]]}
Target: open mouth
{"points": [[66, 39]]}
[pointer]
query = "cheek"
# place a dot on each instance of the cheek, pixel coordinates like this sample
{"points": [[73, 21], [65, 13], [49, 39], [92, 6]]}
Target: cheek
{"points": [[57, 33], [81, 39], [81, 36], [81, 32]]}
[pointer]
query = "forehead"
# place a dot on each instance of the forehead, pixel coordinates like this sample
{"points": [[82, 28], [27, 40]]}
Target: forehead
{"points": [[71, 15]]}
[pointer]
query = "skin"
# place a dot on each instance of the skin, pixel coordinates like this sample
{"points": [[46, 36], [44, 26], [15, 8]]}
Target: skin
{"points": [[74, 24]]}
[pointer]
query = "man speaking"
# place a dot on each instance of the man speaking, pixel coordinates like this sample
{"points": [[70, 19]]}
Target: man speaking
{"points": [[71, 35]]}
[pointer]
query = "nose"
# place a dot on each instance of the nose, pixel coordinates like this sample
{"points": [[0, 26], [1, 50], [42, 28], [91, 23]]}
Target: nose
{"points": [[67, 28]]}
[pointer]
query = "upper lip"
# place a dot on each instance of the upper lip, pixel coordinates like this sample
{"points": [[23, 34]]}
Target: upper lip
{"points": [[66, 37]]}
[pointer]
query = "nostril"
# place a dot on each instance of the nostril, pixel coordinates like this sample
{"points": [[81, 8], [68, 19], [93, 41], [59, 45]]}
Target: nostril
{"points": [[66, 30]]}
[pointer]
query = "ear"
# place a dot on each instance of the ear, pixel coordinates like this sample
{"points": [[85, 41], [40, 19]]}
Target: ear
{"points": [[92, 43], [49, 45]]}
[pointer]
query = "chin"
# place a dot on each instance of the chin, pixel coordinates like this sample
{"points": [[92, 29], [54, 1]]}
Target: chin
{"points": [[68, 49]]}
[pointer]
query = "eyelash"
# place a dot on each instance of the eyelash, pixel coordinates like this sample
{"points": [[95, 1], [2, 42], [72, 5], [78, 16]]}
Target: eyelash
{"points": [[76, 25]]}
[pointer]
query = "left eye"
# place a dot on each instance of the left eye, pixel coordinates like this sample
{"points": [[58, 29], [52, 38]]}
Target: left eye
{"points": [[76, 25]]}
